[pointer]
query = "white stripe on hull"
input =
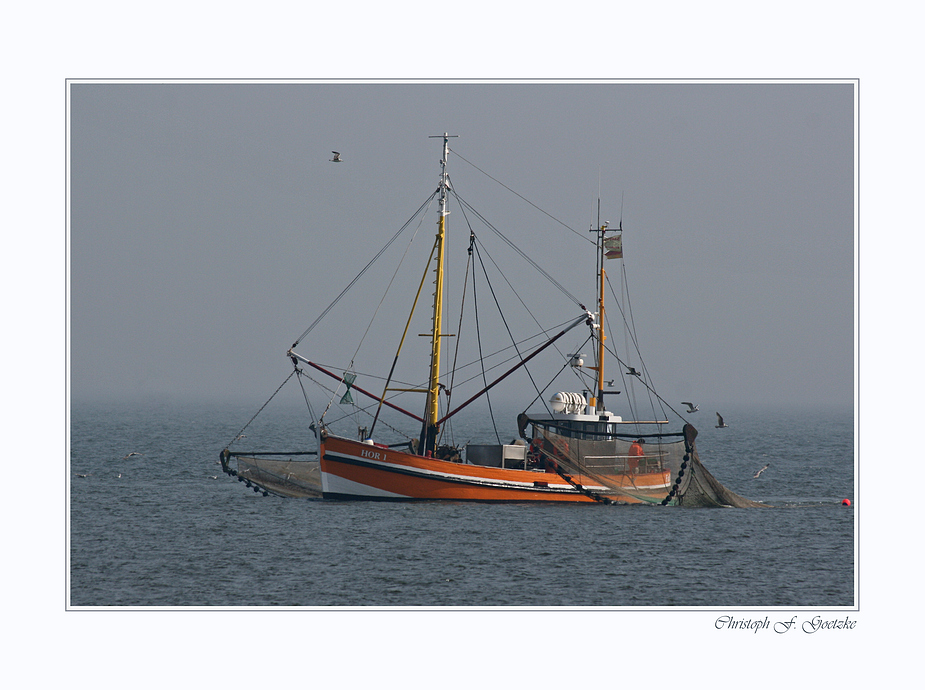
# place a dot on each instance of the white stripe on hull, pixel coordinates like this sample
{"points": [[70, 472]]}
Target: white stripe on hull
{"points": [[332, 484]]}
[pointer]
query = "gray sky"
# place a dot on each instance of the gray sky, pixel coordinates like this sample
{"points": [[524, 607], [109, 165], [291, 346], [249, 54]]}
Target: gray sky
{"points": [[209, 229]]}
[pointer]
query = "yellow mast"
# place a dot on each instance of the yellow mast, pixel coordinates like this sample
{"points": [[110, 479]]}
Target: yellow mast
{"points": [[597, 401], [432, 409], [601, 337]]}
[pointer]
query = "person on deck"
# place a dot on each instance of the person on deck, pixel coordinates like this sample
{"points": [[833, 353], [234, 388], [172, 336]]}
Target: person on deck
{"points": [[636, 452]]}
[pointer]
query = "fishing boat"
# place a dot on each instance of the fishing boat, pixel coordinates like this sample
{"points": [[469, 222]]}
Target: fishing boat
{"points": [[569, 447]]}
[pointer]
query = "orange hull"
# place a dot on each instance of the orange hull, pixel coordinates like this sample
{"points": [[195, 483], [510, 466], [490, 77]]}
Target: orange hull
{"points": [[354, 470]]}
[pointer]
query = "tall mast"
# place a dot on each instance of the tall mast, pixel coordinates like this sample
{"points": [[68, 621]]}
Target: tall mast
{"points": [[432, 409], [597, 402], [608, 248], [601, 334]]}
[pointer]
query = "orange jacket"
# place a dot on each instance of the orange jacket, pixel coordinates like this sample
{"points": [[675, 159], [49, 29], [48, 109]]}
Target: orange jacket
{"points": [[636, 452]]}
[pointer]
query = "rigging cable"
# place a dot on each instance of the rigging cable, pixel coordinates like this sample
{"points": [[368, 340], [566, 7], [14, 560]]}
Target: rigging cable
{"points": [[311, 413], [651, 389], [478, 335], [348, 415], [526, 308], [401, 342], [522, 197], [462, 308], [387, 288], [498, 268], [501, 314], [379, 306], [567, 363], [474, 244], [385, 293], [238, 435], [630, 327], [508, 359], [523, 255], [524, 342], [365, 268]]}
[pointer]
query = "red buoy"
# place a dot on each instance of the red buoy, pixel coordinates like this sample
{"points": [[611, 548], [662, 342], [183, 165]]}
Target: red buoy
{"points": [[846, 502]]}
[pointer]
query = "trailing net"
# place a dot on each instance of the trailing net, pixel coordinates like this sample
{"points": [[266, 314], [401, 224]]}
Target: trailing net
{"points": [[653, 468], [269, 472]]}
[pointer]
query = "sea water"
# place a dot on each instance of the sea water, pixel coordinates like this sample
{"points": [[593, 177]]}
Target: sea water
{"points": [[166, 528]]}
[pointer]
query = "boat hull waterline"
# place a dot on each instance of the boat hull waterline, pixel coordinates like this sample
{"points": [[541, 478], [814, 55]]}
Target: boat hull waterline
{"points": [[353, 470]]}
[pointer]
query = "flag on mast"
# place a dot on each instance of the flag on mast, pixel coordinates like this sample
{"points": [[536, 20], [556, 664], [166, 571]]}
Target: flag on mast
{"points": [[613, 247]]}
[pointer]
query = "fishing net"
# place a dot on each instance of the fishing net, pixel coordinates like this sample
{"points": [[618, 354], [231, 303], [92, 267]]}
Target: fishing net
{"points": [[658, 468], [290, 478], [703, 489]]}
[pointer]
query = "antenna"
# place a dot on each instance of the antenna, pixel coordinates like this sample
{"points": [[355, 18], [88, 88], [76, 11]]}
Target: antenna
{"points": [[622, 195]]}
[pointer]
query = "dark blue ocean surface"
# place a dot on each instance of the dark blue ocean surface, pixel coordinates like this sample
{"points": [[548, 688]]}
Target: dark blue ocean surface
{"points": [[168, 529]]}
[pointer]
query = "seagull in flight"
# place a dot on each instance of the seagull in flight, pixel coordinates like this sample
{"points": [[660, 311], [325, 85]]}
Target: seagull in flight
{"points": [[132, 454], [337, 158], [758, 473], [691, 407], [720, 424]]}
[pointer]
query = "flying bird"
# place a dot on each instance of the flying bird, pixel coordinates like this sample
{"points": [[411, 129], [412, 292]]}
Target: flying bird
{"points": [[720, 424], [691, 407], [337, 158], [132, 454], [758, 473]]}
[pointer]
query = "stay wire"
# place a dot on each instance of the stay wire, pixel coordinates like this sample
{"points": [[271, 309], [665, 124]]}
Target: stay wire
{"points": [[645, 370], [517, 249], [520, 196], [629, 306], [385, 294], [349, 415], [459, 328], [478, 335], [491, 289], [505, 361], [501, 314], [526, 308], [474, 245], [311, 412], [478, 247], [540, 393], [365, 268], [238, 435]]}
